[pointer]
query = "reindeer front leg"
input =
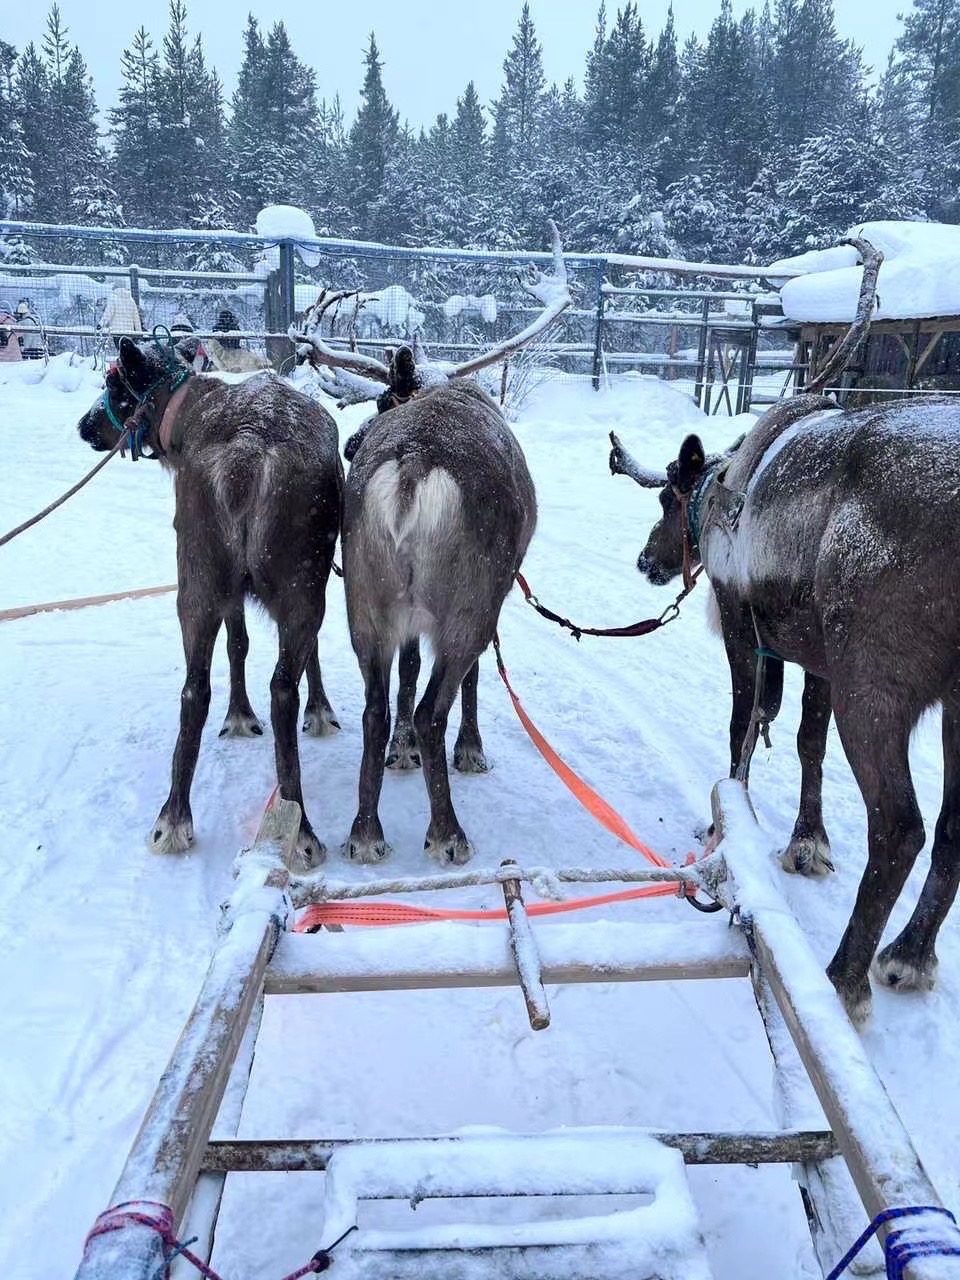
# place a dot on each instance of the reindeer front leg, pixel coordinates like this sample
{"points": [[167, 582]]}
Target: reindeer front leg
{"points": [[809, 849], [199, 623]]}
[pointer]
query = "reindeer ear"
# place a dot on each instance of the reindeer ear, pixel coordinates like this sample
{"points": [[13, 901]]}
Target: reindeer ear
{"points": [[403, 372], [689, 463], [133, 364]]}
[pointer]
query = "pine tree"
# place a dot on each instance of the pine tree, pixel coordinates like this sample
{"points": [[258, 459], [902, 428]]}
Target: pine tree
{"points": [[817, 76], [190, 127], [516, 111], [373, 139], [135, 129], [469, 159], [16, 179], [919, 100], [615, 111], [662, 98]]}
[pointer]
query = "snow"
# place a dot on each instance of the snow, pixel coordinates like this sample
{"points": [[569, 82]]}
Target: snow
{"points": [[104, 946], [287, 222], [919, 277], [459, 304]]}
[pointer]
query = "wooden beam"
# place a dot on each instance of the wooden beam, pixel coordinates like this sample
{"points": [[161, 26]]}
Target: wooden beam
{"points": [[878, 1151], [434, 956], [167, 1152], [525, 954], [311, 1155]]}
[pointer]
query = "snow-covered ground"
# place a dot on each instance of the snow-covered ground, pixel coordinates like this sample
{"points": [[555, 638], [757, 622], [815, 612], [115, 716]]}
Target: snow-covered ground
{"points": [[103, 945]]}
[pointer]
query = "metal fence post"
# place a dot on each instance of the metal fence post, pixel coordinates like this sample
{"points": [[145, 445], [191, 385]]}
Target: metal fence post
{"points": [[280, 306], [702, 354], [598, 339]]}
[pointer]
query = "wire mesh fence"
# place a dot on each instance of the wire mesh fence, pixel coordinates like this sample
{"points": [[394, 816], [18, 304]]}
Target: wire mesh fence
{"points": [[80, 288]]}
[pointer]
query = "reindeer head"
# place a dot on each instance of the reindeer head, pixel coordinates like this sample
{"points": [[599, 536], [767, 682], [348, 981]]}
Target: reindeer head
{"points": [[138, 367], [662, 557]]}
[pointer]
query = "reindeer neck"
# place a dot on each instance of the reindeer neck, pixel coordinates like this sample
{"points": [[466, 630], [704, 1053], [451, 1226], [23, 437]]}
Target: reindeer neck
{"points": [[170, 416]]}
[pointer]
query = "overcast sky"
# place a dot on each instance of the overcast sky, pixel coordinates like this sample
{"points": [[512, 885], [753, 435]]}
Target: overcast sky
{"points": [[430, 48]]}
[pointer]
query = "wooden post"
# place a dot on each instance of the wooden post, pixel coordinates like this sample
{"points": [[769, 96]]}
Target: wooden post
{"points": [[873, 1141], [165, 1159], [135, 284], [524, 948]]}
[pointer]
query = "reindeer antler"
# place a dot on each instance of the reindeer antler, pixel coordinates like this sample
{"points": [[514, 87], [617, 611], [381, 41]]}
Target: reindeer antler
{"points": [[552, 290], [356, 377], [321, 354]]}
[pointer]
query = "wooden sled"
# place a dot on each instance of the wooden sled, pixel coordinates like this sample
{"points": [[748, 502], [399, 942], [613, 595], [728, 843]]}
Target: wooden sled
{"points": [[851, 1172]]}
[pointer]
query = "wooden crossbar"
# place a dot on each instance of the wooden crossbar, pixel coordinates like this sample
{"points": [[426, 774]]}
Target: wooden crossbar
{"points": [[436, 956], [311, 1155]]}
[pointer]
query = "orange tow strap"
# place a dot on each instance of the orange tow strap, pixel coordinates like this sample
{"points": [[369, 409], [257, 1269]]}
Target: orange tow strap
{"points": [[375, 914], [593, 803]]}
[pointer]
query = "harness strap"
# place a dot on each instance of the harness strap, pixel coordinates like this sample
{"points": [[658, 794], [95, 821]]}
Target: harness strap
{"points": [[633, 629]]}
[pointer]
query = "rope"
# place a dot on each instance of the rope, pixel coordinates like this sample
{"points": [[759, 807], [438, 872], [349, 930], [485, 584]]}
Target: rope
{"points": [[159, 1218], [28, 524], [904, 1245]]}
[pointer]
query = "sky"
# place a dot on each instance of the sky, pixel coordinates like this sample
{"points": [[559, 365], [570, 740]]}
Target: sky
{"points": [[430, 48]]}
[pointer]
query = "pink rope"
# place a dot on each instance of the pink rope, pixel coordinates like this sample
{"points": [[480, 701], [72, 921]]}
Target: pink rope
{"points": [[159, 1218]]}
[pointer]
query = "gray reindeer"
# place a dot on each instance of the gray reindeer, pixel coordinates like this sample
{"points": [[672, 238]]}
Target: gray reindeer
{"points": [[830, 539], [439, 511], [259, 488]]}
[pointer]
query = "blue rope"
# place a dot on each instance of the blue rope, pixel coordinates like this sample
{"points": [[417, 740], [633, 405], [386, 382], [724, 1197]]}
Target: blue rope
{"points": [[898, 1249]]}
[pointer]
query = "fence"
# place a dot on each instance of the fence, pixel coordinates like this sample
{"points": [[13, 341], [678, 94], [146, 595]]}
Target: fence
{"points": [[629, 314]]}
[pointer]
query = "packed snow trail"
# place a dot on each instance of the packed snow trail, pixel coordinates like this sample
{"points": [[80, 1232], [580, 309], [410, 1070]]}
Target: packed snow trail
{"points": [[103, 946]]}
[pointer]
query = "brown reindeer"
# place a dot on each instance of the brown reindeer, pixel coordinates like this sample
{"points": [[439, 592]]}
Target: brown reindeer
{"points": [[833, 545], [258, 502], [439, 511]]}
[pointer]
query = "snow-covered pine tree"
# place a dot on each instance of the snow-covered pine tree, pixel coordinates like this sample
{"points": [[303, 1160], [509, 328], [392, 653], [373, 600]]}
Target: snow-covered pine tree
{"points": [[662, 99], [190, 129], [616, 109], [16, 179], [817, 77], [135, 130], [58, 116], [516, 129], [373, 139], [919, 101]]}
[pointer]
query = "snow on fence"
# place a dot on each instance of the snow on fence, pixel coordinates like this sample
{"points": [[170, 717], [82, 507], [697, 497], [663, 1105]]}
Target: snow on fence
{"points": [[662, 317]]}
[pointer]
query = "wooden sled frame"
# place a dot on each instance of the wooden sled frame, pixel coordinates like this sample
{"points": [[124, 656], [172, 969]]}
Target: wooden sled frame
{"points": [[173, 1162]]}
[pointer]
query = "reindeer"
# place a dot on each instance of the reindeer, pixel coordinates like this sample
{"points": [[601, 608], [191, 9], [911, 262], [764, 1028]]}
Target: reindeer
{"points": [[832, 543], [101, 430], [438, 514], [259, 488]]}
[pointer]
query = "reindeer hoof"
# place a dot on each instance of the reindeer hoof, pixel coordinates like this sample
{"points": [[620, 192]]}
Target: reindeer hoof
{"points": [[320, 722], [894, 969], [307, 854], [469, 759], [855, 997], [807, 856], [453, 851], [402, 754], [170, 837], [366, 851], [242, 724]]}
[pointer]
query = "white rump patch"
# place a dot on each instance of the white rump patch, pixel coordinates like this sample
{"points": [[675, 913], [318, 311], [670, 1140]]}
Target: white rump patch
{"points": [[435, 505]]}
